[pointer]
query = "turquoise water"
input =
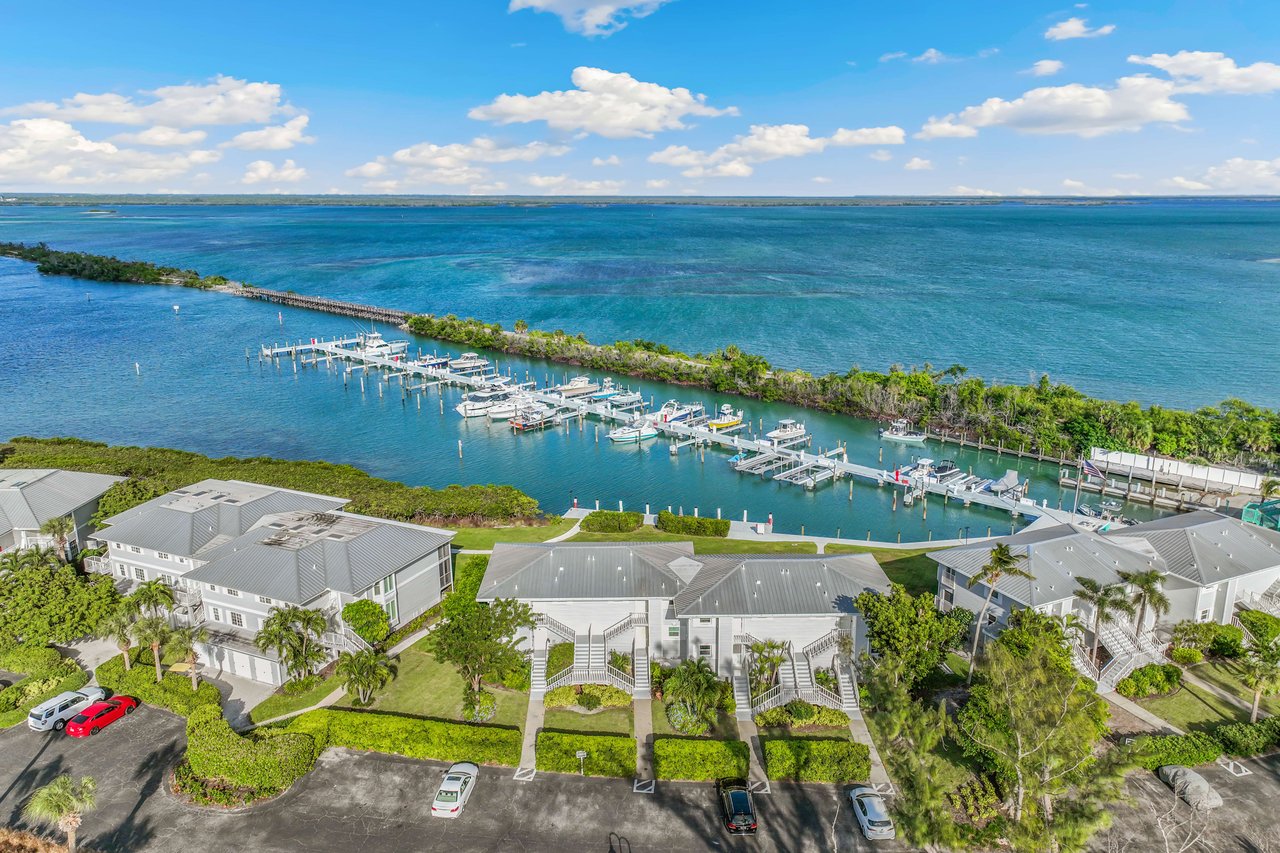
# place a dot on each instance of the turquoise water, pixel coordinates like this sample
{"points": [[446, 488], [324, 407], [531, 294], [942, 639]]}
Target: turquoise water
{"points": [[1151, 297]]}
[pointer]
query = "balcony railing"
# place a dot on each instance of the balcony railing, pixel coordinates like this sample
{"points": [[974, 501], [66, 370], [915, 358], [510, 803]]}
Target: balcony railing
{"points": [[592, 675], [97, 565], [555, 626], [626, 623]]}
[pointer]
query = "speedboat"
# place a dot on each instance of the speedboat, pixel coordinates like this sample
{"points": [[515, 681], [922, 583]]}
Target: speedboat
{"points": [[577, 387], [900, 430], [634, 432], [469, 361], [786, 430], [433, 362], [505, 410], [673, 411], [626, 398], [607, 390], [531, 417], [726, 418], [372, 344], [479, 403]]}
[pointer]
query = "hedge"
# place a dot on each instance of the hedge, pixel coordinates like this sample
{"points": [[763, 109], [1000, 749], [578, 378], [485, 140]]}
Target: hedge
{"points": [[267, 761], [567, 696], [409, 736], [607, 755], [816, 759], [1245, 739], [1263, 626], [813, 715], [1192, 749], [173, 692], [608, 521], [699, 759], [1151, 680], [689, 525], [47, 673]]}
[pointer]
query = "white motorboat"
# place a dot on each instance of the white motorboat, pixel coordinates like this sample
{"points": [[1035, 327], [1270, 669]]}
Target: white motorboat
{"points": [[634, 432], [607, 390], [901, 430], [626, 398], [469, 361], [578, 386], [505, 410], [433, 362], [786, 430], [532, 417], [372, 344], [673, 411], [478, 403]]}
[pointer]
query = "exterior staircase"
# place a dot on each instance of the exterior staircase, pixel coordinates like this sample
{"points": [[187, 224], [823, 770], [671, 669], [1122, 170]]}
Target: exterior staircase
{"points": [[742, 696], [1128, 652], [795, 681], [640, 663], [538, 674], [591, 655], [848, 689]]}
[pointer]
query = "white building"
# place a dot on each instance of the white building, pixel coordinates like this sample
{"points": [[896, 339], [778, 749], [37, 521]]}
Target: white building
{"points": [[658, 601], [31, 496]]}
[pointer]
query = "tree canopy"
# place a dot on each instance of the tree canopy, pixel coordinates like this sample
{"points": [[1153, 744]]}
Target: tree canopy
{"points": [[42, 602], [910, 629]]}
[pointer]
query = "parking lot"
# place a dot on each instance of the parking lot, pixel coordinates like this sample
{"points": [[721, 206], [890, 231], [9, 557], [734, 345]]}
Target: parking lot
{"points": [[358, 801]]}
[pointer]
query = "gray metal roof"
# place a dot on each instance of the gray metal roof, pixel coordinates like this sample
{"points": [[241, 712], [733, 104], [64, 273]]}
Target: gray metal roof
{"points": [[770, 585], [585, 570], [192, 519], [1056, 557], [1205, 547], [296, 556], [31, 496]]}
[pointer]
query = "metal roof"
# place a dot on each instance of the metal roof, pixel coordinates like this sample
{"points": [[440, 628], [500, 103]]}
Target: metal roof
{"points": [[1056, 557], [585, 570], [296, 556], [770, 585], [31, 496], [195, 518], [1206, 547]]}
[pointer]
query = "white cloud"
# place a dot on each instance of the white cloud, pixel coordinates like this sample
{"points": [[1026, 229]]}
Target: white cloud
{"points": [[882, 155], [820, 179], [225, 100], [657, 184], [1236, 175], [1077, 28], [372, 169], [275, 138], [615, 105], [932, 56], [611, 160], [566, 185], [1074, 187], [1027, 191], [890, 57], [487, 189], [1127, 176], [40, 152], [1045, 67], [973, 191], [482, 149], [1201, 72], [916, 164], [162, 137], [1187, 184], [592, 17], [266, 172], [1086, 111], [768, 142]]}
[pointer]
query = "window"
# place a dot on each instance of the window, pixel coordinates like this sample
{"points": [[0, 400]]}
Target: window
{"points": [[949, 596], [139, 574], [234, 593], [392, 611], [182, 561], [446, 575], [673, 630], [1204, 615], [704, 650], [389, 583], [216, 614], [991, 619], [162, 555], [135, 549], [212, 588], [236, 619], [264, 600], [705, 620], [949, 574]]}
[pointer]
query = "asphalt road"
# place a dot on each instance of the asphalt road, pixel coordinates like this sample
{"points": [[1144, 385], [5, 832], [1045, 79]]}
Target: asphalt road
{"points": [[363, 801]]}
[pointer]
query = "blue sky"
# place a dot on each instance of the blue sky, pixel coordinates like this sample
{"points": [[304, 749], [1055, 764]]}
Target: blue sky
{"points": [[643, 97]]}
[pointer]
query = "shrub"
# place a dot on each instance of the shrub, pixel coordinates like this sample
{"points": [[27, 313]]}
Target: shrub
{"points": [[268, 761], [688, 525], [698, 759], [1246, 739], [410, 737], [414, 625], [204, 792], [47, 672], [606, 521], [603, 695], [172, 693], [370, 622], [620, 661], [607, 755], [1264, 627], [800, 711], [1151, 680], [559, 658], [816, 759], [727, 705], [516, 678], [479, 706], [590, 701], [1192, 749], [685, 721], [1228, 642], [809, 715], [1210, 638], [1186, 657]]}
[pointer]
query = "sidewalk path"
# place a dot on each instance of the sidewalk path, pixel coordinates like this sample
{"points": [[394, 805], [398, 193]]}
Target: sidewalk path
{"points": [[643, 714], [879, 777], [1224, 695], [533, 720]]}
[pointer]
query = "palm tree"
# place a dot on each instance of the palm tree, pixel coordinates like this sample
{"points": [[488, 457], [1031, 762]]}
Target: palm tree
{"points": [[37, 555], [1270, 488], [1001, 562], [154, 597], [766, 657], [153, 631], [62, 803], [60, 529], [1261, 674], [183, 642], [1072, 626], [364, 671], [1147, 593], [293, 633], [1107, 600], [694, 685], [118, 625]]}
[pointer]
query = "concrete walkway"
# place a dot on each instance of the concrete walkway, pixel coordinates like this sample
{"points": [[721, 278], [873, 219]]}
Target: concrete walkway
{"points": [[1243, 704], [533, 720], [879, 777], [749, 734], [1158, 723], [643, 714]]}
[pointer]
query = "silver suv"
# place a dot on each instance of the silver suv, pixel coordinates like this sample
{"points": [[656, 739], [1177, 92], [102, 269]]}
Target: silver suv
{"points": [[53, 715]]}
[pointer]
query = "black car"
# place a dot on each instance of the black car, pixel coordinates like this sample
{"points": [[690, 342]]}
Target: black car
{"points": [[736, 806]]}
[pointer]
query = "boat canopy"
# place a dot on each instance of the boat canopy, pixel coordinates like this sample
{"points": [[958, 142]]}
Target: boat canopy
{"points": [[1005, 483]]}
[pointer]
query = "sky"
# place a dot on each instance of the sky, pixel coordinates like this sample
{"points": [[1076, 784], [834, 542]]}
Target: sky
{"points": [[642, 97]]}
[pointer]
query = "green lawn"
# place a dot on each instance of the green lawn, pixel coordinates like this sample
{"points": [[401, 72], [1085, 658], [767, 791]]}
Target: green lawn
{"points": [[957, 664], [1194, 710], [425, 688], [282, 703], [484, 538], [909, 567], [726, 727], [608, 721], [1225, 675], [702, 544]]}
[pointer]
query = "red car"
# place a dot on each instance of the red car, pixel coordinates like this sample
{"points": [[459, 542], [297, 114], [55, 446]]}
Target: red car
{"points": [[99, 715]]}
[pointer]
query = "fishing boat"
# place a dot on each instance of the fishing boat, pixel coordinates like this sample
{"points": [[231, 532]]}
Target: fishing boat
{"points": [[478, 403], [607, 390], [786, 430], [726, 418], [626, 399], [673, 411], [900, 430], [634, 432], [469, 361], [433, 361], [533, 417], [372, 344], [1112, 505], [505, 410], [578, 386]]}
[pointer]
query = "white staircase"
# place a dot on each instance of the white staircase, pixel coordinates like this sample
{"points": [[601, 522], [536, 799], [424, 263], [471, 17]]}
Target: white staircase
{"points": [[591, 658], [538, 674], [1128, 652], [848, 688], [742, 696], [640, 663], [795, 681]]}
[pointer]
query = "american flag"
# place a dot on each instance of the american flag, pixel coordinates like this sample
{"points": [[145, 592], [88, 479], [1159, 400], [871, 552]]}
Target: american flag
{"points": [[1090, 470]]}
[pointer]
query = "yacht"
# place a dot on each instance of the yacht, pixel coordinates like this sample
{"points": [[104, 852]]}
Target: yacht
{"points": [[786, 430], [531, 417], [900, 430], [478, 403], [634, 432], [469, 361], [673, 411], [626, 398], [577, 387], [433, 361], [373, 344], [505, 410], [607, 390], [726, 418]]}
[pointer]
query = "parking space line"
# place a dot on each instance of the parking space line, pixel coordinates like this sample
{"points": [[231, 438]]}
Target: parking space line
{"points": [[643, 786], [525, 774]]}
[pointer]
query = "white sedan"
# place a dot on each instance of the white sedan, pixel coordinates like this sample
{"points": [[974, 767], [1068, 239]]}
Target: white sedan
{"points": [[872, 814], [455, 790]]}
